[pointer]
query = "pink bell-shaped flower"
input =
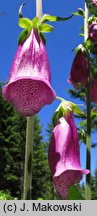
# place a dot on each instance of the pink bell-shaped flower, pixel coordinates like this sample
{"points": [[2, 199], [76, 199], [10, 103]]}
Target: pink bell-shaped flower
{"points": [[93, 32], [64, 155], [94, 2], [79, 71], [94, 91], [29, 87]]}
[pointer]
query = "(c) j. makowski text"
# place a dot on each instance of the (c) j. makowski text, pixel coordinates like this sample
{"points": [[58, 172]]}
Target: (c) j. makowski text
{"points": [[50, 207]]}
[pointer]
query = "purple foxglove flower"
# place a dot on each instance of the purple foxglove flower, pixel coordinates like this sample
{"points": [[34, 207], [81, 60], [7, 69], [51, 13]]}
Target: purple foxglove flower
{"points": [[94, 2], [94, 91], [93, 32], [79, 71], [64, 155], [29, 87]]}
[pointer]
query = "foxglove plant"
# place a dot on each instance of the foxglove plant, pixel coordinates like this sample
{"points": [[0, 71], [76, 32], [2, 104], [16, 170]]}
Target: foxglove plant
{"points": [[64, 155], [79, 71], [29, 87]]}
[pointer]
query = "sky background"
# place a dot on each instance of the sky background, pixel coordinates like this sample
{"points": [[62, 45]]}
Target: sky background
{"points": [[59, 45]]}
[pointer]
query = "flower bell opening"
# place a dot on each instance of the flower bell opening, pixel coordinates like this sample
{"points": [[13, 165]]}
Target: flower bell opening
{"points": [[28, 96]]}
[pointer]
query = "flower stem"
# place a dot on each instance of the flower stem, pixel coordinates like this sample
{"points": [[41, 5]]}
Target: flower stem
{"points": [[60, 98], [28, 159], [29, 137], [88, 96], [39, 8], [86, 21], [63, 100]]}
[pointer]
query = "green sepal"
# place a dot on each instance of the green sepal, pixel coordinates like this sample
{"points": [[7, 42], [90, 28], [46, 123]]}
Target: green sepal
{"points": [[80, 12], [35, 22], [92, 19], [20, 10], [87, 44], [25, 23], [82, 135], [64, 108], [79, 47], [82, 48], [68, 105], [58, 114], [77, 110], [23, 35], [47, 17], [43, 38], [45, 28]]}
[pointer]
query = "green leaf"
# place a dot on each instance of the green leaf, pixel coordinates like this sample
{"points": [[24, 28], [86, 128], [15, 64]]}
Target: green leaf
{"points": [[23, 35], [93, 115], [25, 23], [40, 198], [50, 18], [74, 193], [45, 28], [81, 34], [83, 123], [80, 12]]}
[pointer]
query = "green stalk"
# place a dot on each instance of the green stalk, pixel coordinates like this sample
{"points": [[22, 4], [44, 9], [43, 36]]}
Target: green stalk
{"points": [[39, 8], [88, 101], [28, 159], [29, 137]]}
